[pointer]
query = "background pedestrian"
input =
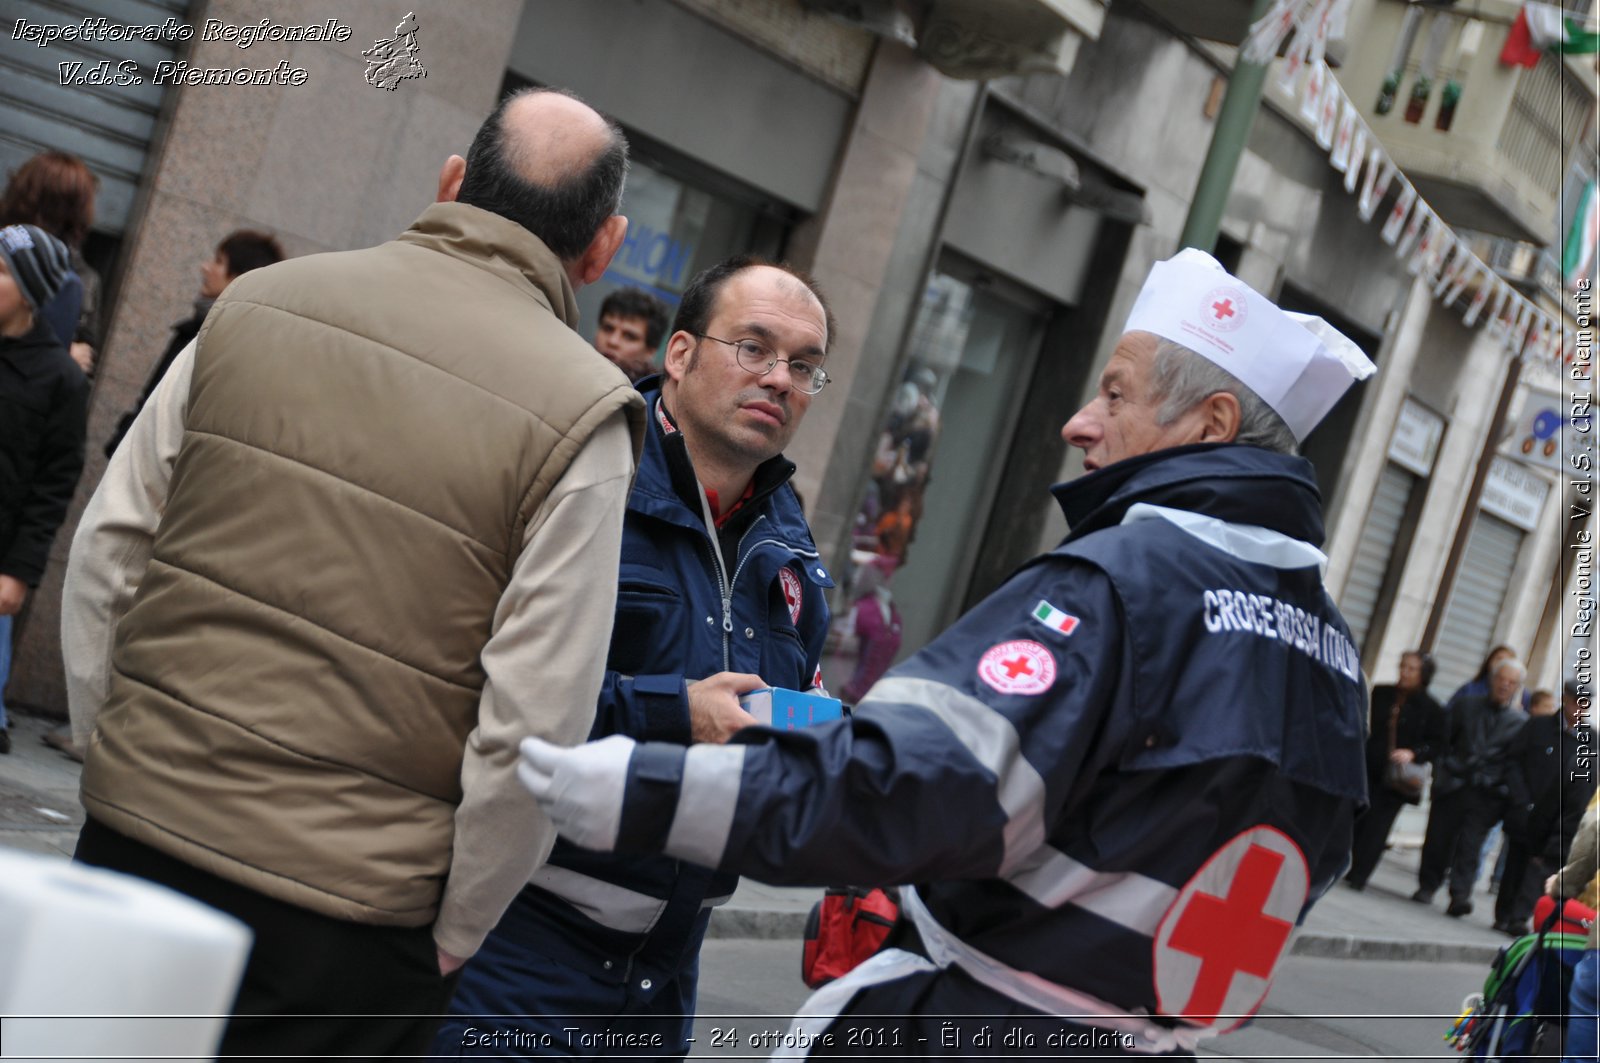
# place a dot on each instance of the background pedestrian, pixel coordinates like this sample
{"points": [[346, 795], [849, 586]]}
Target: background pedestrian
{"points": [[43, 408]]}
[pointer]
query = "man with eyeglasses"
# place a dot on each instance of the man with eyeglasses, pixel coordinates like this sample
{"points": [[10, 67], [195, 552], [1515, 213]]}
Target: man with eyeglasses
{"points": [[720, 592]]}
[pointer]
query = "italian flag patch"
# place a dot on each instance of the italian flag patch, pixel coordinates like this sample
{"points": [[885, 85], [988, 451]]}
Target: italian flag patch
{"points": [[1055, 619]]}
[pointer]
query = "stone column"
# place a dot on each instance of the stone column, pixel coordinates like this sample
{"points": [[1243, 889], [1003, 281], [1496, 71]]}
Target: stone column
{"points": [[851, 245]]}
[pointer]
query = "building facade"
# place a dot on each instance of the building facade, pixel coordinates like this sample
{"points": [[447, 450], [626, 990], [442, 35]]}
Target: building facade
{"points": [[980, 189]]}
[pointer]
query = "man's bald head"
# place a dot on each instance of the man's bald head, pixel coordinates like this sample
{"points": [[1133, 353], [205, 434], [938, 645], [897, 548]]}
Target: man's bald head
{"points": [[551, 137], [551, 163]]}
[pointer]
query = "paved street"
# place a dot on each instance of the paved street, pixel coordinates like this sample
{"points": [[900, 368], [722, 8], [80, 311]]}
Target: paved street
{"points": [[1319, 1008], [39, 809]]}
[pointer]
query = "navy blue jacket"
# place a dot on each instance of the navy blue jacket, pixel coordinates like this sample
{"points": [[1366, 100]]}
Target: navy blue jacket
{"points": [[1477, 753], [640, 920], [1129, 771], [1549, 784]]}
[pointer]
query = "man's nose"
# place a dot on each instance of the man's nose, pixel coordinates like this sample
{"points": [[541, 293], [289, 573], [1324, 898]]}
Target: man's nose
{"points": [[778, 378], [1079, 431]]}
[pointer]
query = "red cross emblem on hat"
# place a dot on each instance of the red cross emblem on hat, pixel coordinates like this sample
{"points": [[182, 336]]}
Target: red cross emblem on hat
{"points": [[1224, 309], [1219, 943]]}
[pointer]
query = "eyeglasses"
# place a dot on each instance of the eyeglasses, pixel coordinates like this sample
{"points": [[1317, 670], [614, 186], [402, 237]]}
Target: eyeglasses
{"points": [[758, 359]]}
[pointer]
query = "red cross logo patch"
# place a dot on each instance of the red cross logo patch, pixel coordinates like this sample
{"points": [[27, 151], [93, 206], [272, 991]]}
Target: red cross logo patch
{"points": [[1224, 309], [1021, 667], [1218, 944], [791, 593]]}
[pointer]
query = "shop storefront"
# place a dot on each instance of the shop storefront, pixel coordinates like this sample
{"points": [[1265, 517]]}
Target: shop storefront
{"points": [[679, 225], [698, 191], [949, 423], [1513, 502], [1391, 522], [966, 437]]}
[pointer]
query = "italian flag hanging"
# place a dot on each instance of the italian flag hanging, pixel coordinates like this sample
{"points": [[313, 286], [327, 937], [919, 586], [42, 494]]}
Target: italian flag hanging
{"points": [[1541, 27], [1577, 256]]}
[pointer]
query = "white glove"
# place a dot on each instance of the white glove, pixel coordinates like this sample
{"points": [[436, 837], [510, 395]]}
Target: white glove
{"points": [[580, 789]]}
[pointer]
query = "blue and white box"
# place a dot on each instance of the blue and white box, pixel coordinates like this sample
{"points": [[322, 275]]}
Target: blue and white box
{"points": [[790, 710]]}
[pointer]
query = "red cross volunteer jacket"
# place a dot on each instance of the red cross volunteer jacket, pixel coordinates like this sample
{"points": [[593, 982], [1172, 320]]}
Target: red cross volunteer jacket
{"points": [[1117, 784]]}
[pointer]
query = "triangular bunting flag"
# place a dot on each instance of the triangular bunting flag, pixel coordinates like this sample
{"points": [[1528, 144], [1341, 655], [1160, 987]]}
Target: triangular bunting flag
{"points": [[1577, 255]]}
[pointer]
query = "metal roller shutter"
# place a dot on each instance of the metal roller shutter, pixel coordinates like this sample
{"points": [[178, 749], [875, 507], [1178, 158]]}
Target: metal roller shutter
{"points": [[109, 126], [1376, 548], [1474, 611]]}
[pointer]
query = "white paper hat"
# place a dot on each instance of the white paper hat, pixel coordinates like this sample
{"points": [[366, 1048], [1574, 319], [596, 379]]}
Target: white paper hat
{"points": [[1298, 364]]}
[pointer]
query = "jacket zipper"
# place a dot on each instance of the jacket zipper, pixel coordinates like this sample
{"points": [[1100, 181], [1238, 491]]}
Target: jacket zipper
{"points": [[724, 583]]}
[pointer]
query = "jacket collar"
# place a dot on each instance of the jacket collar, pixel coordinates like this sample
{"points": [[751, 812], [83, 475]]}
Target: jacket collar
{"points": [[1232, 482], [38, 337], [500, 246]]}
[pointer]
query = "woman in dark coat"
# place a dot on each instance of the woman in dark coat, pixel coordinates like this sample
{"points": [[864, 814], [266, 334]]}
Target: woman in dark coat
{"points": [[1408, 727]]}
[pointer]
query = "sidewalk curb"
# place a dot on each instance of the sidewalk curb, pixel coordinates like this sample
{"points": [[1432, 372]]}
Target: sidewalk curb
{"points": [[1351, 947], [761, 924], [769, 925]]}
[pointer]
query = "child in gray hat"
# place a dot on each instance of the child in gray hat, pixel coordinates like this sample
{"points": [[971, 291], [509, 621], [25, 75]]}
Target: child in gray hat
{"points": [[43, 408]]}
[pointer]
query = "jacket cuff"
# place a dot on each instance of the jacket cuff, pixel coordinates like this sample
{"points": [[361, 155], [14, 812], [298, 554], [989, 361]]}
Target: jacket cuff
{"points": [[663, 703], [31, 574], [650, 798]]}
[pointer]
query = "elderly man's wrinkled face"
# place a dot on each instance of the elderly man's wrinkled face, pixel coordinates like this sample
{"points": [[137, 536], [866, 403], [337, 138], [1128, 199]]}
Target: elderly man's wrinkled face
{"points": [[1122, 419], [1504, 684]]}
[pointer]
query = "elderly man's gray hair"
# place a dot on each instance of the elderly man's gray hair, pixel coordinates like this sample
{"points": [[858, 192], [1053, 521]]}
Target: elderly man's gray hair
{"points": [[1509, 663], [1180, 379]]}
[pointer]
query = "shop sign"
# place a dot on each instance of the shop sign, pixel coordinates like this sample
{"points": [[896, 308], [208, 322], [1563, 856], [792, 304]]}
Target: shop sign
{"points": [[1416, 438], [1515, 493]]}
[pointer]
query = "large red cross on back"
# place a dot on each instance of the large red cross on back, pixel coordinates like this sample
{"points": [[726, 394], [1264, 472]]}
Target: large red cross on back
{"points": [[1232, 934]]}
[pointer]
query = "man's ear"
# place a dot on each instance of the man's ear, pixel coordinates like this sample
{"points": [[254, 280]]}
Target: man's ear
{"points": [[680, 347], [1219, 418], [450, 175], [601, 250]]}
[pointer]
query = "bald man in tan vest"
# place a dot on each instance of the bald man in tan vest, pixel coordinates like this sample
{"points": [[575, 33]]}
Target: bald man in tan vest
{"points": [[361, 541]]}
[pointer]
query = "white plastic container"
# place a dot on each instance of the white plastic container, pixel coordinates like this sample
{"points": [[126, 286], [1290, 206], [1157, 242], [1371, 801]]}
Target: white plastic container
{"points": [[102, 965]]}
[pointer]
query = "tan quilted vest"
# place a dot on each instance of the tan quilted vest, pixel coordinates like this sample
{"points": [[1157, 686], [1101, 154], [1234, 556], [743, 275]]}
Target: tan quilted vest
{"points": [[367, 436]]}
